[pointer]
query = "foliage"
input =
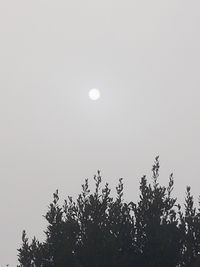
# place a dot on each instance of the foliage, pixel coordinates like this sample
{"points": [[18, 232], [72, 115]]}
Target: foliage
{"points": [[98, 230]]}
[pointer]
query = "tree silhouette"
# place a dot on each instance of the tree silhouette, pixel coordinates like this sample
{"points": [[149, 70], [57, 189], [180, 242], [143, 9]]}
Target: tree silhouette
{"points": [[157, 227], [98, 230]]}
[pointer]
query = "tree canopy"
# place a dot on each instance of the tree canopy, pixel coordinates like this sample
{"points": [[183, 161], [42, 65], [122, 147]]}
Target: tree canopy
{"points": [[98, 230]]}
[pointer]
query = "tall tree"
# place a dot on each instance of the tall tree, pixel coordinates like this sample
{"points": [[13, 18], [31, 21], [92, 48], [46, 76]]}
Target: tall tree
{"points": [[156, 223], [99, 230]]}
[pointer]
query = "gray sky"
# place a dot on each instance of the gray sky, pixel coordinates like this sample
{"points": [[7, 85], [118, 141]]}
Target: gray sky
{"points": [[144, 56]]}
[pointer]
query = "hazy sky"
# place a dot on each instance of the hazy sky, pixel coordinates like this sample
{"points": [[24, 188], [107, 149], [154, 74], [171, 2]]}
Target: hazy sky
{"points": [[144, 56]]}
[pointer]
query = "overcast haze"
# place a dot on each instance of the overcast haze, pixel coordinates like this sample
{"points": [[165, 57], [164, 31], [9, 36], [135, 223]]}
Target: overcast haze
{"points": [[144, 56]]}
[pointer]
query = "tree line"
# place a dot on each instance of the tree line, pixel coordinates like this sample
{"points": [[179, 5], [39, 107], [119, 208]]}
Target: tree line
{"points": [[98, 230]]}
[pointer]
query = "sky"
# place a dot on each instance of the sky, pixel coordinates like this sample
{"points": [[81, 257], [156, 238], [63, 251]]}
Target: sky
{"points": [[143, 56]]}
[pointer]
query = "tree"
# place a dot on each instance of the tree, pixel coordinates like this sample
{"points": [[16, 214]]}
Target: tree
{"points": [[157, 224], [25, 255], [98, 230]]}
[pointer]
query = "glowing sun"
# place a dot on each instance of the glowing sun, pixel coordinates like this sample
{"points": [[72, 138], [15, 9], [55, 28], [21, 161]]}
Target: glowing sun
{"points": [[94, 94]]}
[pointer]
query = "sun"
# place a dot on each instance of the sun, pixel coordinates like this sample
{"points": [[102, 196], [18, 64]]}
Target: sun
{"points": [[94, 94]]}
